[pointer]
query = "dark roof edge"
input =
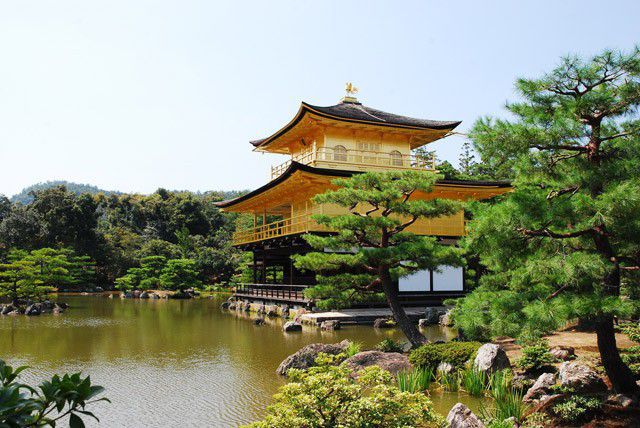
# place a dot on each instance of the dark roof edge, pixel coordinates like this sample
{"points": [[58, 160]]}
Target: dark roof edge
{"points": [[305, 107], [295, 166]]}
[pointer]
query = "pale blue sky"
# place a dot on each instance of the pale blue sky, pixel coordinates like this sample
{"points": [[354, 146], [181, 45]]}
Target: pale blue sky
{"points": [[135, 95]]}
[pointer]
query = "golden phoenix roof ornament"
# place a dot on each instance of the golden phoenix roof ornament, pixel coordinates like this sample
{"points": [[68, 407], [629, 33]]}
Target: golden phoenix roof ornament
{"points": [[350, 89]]}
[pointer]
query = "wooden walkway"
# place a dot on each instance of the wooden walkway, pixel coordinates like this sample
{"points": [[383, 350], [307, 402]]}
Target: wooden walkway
{"points": [[358, 316]]}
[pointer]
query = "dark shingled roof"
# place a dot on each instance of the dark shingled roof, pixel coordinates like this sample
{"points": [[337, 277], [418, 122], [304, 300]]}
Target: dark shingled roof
{"points": [[354, 111], [296, 166]]}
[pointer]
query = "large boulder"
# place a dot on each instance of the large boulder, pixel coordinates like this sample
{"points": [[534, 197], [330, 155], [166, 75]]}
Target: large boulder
{"points": [[6, 309], [330, 325], [144, 295], [460, 416], [34, 309], [580, 378], [491, 358], [432, 315], [541, 387], [384, 323], [392, 362], [446, 319], [563, 353], [291, 326], [306, 357]]}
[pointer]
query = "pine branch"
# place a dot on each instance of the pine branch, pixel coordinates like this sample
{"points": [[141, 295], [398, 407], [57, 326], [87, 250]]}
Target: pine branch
{"points": [[545, 232]]}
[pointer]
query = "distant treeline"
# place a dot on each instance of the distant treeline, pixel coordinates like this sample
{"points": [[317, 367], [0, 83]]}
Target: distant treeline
{"points": [[117, 230]]}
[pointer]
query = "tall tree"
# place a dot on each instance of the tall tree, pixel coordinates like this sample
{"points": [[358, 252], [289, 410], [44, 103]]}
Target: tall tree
{"points": [[373, 247], [467, 158], [560, 246]]}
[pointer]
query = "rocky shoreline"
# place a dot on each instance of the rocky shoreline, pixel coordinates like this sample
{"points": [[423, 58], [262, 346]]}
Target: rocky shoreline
{"points": [[33, 309]]}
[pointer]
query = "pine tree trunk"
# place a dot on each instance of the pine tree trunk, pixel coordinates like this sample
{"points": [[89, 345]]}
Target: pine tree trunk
{"points": [[391, 293], [621, 377]]}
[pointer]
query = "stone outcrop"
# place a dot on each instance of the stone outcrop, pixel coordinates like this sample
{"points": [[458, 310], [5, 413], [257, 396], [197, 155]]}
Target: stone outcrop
{"points": [[392, 362], [432, 315], [446, 319], [444, 368], [34, 309], [580, 377], [491, 358], [290, 326], [306, 357], [7, 309], [620, 400], [259, 321], [460, 416], [330, 325], [563, 353], [541, 387], [384, 323]]}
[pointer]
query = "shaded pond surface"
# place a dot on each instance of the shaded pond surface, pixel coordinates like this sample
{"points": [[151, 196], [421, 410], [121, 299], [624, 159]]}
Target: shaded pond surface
{"points": [[173, 363]]}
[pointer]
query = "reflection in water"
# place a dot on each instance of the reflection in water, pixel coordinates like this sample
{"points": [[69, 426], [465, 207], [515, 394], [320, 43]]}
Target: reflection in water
{"points": [[170, 362]]}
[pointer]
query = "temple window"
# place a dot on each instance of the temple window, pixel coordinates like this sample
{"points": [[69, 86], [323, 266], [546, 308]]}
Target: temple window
{"points": [[340, 153], [396, 158]]}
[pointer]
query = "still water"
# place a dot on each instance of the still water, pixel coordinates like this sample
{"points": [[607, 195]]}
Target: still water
{"points": [[172, 363]]}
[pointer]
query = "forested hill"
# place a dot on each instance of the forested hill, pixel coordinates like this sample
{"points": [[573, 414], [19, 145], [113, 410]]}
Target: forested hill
{"points": [[26, 197]]}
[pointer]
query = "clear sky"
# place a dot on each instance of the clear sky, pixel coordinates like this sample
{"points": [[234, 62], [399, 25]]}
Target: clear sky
{"points": [[134, 95]]}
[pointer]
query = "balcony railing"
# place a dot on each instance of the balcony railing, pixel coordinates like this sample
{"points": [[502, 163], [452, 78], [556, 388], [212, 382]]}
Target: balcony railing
{"points": [[297, 224], [277, 292], [356, 159]]}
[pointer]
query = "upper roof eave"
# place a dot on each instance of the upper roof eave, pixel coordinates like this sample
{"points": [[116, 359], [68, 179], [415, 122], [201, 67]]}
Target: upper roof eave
{"points": [[354, 112]]}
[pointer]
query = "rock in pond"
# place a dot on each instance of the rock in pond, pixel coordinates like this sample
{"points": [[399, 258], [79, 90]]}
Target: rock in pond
{"points": [[259, 321], [225, 305], [330, 325], [541, 387], [7, 309], [580, 377], [393, 362], [563, 353], [292, 326], [35, 309], [432, 315], [491, 358], [144, 295], [446, 319], [384, 323], [306, 357], [460, 416]]}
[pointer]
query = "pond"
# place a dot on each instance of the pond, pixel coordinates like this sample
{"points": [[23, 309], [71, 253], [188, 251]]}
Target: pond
{"points": [[173, 362]]}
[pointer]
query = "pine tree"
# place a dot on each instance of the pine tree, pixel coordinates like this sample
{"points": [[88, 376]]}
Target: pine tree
{"points": [[373, 247], [561, 245], [467, 159]]}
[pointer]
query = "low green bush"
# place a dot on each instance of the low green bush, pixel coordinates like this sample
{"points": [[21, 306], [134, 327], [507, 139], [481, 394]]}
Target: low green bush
{"points": [[454, 353], [536, 357], [389, 345], [631, 357], [576, 408]]}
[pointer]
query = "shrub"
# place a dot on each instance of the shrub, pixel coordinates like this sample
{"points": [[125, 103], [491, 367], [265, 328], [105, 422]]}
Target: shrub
{"points": [[454, 353], [632, 330], [55, 399], [631, 357], [327, 396], [576, 408], [416, 380], [536, 357], [389, 345]]}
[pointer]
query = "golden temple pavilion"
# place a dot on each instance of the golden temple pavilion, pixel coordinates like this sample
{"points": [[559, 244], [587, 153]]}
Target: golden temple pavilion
{"points": [[324, 143]]}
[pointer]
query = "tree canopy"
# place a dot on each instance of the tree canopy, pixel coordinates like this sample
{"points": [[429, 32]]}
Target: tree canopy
{"points": [[373, 246], [565, 244]]}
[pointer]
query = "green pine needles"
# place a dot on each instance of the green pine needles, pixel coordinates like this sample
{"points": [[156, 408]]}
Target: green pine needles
{"points": [[373, 246], [565, 244]]}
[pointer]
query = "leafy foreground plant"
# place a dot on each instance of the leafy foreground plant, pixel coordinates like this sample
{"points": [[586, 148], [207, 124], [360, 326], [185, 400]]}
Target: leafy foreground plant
{"points": [[352, 349], [416, 380], [24, 406], [576, 408], [327, 396]]}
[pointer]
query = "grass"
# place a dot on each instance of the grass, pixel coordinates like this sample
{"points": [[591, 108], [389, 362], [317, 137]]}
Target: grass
{"points": [[507, 400], [449, 381], [474, 381], [416, 380], [353, 349]]}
